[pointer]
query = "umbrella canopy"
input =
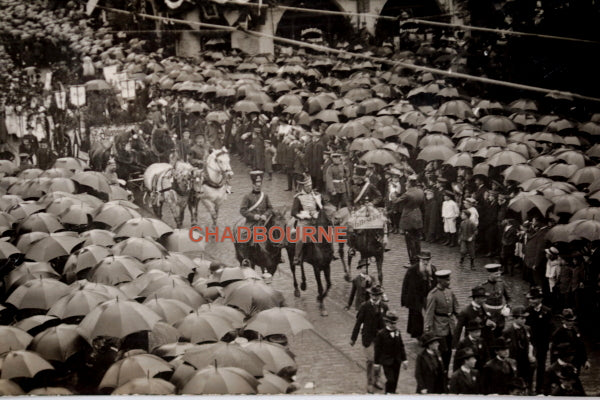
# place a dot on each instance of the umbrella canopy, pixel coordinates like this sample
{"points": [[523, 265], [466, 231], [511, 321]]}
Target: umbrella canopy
{"points": [[37, 323], [233, 315], [83, 260], [496, 123], [110, 291], [62, 184], [592, 213], [80, 302], [436, 152], [584, 230], [113, 214], [204, 327], [93, 179], [70, 163], [23, 364], [133, 367], [113, 270], [252, 296], [179, 240], [463, 159], [534, 183], [62, 204], [141, 248], [7, 250], [365, 144], [28, 271], [279, 320], [76, 215], [117, 318], [147, 386], [58, 343], [170, 310], [38, 293], [221, 380], [53, 246], [379, 156], [99, 237], [12, 338], [585, 175], [560, 170], [572, 157], [519, 173], [568, 203], [435, 139], [9, 388], [24, 209], [506, 158], [246, 106], [274, 355], [41, 222], [456, 108], [142, 227], [226, 355], [50, 391], [526, 201], [57, 173], [272, 384]]}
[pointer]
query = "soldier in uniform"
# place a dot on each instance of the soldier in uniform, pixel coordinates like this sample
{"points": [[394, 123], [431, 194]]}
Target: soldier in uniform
{"points": [[500, 370], [495, 286], [411, 219], [429, 367], [471, 312], [389, 352], [256, 206], [370, 318], [336, 178], [465, 379], [440, 313], [362, 190], [540, 322], [199, 151]]}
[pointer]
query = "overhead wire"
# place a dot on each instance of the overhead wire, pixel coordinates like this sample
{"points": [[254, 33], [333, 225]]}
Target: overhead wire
{"points": [[327, 49]]}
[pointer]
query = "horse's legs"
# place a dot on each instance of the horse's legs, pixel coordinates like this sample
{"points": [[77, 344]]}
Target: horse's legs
{"points": [[322, 293], [293, 268], [303, 283], [379, 261], [193, 206], [347, 274], [210, 207]]}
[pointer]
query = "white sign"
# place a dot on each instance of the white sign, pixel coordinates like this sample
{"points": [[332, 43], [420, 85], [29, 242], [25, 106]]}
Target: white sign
{"points": [[48, 80], [61, 99], [127, 89], [109, 74], [77, 95]]}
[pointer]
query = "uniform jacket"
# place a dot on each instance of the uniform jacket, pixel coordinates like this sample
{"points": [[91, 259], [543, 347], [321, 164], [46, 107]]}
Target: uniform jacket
{"points": [[415, 288], [462, 382], [389, 349], [370, 194], [249, 200], [468, 313], [497, 374], [411, 202], [430, 373], [336, 178], [370, 317], [306, 202], [497, 288], [440, 311]]}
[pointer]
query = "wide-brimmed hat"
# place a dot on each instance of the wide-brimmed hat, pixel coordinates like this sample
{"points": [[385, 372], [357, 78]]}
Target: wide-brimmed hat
{"points": [[375, 290], [500, 344], [363, 263], [427, 338], [390, 316], [478, 291], [552, 250], [473, 325], [568, 315], [424, 255], [535, 292], [463, 354]]}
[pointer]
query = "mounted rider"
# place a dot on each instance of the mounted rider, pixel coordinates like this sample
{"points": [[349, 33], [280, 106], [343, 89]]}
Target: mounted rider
{"points": [[256, 206], [197, 156]]}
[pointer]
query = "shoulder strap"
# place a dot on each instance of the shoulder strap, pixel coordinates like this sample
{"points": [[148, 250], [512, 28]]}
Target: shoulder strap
{"points": [[260, 199], [362, 192]]}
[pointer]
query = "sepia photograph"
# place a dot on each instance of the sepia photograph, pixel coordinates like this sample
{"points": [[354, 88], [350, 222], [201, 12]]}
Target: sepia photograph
{"points": [[309, 197]]}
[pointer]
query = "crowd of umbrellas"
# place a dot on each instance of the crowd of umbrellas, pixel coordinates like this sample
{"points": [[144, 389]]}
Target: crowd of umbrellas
{"points": [[77, 268]]}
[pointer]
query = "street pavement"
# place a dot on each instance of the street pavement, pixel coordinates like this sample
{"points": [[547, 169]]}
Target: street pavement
{"points": [[327, 363]]}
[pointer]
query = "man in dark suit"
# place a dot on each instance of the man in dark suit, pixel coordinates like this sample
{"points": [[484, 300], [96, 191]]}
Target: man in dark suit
{"points": [[465, 379], [360, 285], [370, 318], [411, 219], [555, 374], [540, 322], [429, 368], [568, 333], [500, 370], [471, 312], [417, 283], [389, 352], [474, 341], [520, 347]]}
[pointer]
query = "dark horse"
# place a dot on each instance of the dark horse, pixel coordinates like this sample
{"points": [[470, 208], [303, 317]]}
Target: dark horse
{"points": [[369, 243], [266, 255], [319, 255]]}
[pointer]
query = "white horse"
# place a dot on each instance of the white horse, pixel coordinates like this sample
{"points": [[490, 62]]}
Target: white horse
{"points": [[180, 186]]}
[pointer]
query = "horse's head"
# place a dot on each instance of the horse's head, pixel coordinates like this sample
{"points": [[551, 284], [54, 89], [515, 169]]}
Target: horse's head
{"points": [[219, 160], [278, 219]]}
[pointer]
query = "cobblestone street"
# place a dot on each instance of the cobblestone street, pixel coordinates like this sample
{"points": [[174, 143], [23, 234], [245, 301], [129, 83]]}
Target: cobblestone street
{"points": [[325, 357]]}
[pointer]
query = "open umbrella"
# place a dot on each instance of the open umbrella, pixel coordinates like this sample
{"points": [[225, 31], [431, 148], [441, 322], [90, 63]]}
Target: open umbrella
{"points": [[274, 355], [560, 170], [57, 173], [456, 108], [41, 222], [141, 248], [365, 144], [221, 380], [28, 271], [519, 173], [272, 384], [99, 237], [23, 364], [114, 214], [233, 315], [179, 240], [572, 157], [62, 204], [506, 158], [9, 388], [226, 355], [279, 320], [50, 391], [58, 343], [7, 250], [142, 227], [252, 296], [534, 183], [592, 213], [496, 123], [76, 215], [53, 246], [83, 260], [39, 293], [585, 175], [463, 159], [584, 230], [60, 184], [133, 367], [246, 106], [12, 338], [170, 310], [70, 163], [80, 302], [436, 152], [117, 318], [435, 139], [24, 209], [93, 179], [203, 327], [568, 203], [113, 270], [379, 156], [526, 201], [147, 386]]}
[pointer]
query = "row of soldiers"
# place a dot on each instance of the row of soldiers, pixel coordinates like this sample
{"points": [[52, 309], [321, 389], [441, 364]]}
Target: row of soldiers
{"points": [[494, 354]]}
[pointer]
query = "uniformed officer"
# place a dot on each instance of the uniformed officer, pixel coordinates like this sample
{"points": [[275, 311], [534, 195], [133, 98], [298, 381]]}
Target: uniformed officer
{"points": [[411, 219], [305, 208], [495, 286], [336, 181], [362, 190], [256, 206], [440, 313], [199, 151]]}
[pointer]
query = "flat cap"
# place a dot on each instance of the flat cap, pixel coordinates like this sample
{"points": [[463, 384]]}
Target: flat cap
{"points": [[443, 273]]}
